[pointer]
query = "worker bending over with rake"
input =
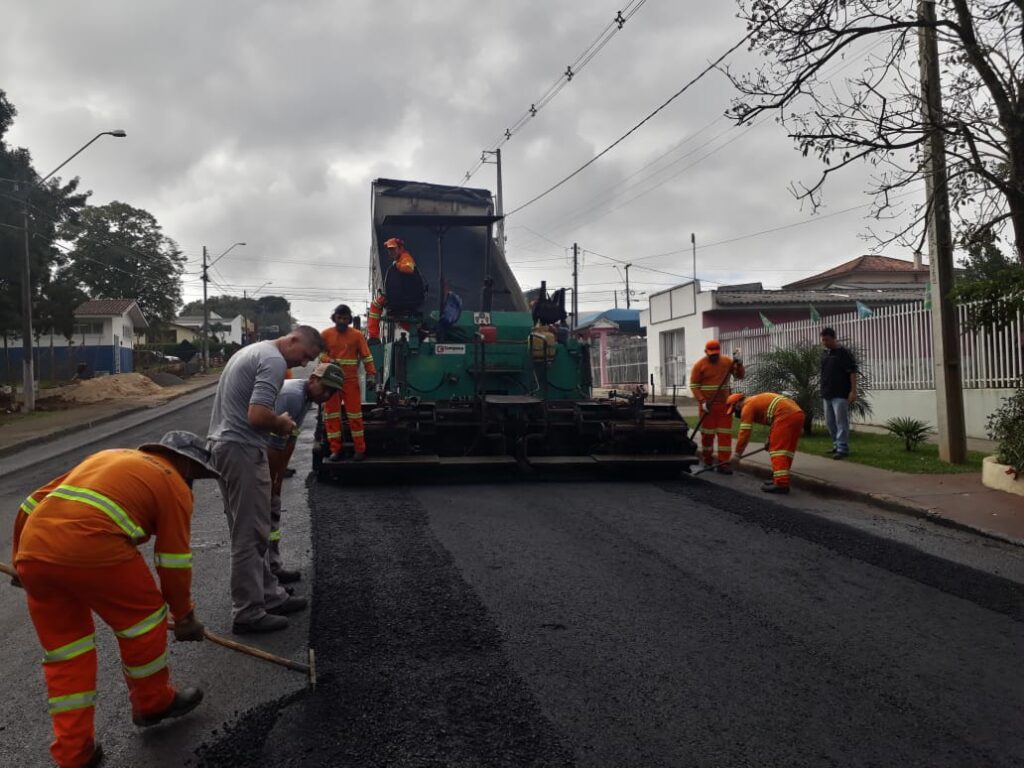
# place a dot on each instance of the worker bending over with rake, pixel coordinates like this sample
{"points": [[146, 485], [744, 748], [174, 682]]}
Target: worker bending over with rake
{"points": [[346, 347], [785, 420], [295, 399], [76, 552], [709, 383]]}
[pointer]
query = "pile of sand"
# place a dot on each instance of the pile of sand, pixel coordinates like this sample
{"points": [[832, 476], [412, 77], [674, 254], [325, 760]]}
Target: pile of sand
{"points": [[116, 387]]}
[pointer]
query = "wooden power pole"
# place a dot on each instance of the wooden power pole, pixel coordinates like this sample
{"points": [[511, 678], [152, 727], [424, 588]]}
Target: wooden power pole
{"points": [[949, 397]]}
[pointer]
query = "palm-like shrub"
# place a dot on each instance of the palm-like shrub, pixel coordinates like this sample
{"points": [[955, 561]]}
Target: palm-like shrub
{"points": [[912, 432], [796, 373]]}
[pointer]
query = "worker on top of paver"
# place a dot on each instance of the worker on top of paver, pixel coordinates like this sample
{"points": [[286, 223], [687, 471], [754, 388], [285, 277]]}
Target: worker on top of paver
{"points": [[398, 278], [76, 552], [785, 420], [294, 399], [709, 383], [346, 347]]}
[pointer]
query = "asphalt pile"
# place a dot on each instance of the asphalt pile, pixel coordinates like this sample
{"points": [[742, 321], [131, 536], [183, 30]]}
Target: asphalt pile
{"points": [[411, 667]]}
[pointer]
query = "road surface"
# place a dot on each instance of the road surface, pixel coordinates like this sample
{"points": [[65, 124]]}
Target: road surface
{"points": [[683, 623]]}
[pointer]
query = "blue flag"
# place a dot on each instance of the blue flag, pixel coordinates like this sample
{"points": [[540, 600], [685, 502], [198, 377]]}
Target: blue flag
{"points": [[765, 321], [863, 310], [815, 317]]}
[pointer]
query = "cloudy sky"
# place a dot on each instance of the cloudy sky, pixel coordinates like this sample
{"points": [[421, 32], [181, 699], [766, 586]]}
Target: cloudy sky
{"points": [[265, 122]]}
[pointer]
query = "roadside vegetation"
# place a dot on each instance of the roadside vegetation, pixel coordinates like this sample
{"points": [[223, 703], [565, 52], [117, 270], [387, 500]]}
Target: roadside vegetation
{"points": [[877, 450]]}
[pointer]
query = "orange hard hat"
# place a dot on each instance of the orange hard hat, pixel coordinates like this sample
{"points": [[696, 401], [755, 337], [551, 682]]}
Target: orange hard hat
{"points": [[713, 346], [732, 401], [394, 242]]}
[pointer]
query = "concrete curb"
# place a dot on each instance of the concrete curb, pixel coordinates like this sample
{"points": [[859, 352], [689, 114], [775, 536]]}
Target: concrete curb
{"points": [[882, 500], [87, 425]]}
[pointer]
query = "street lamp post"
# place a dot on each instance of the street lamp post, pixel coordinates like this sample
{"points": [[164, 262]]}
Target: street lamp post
{"points": [[206, 308], [26, 283], [245, 297]]}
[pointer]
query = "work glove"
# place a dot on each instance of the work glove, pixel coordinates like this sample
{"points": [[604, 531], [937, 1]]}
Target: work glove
{"points": [[705, 407], [189, 629], [16, 582]]}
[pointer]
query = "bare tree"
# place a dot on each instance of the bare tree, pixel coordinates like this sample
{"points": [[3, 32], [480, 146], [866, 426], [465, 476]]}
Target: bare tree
{"points": [[875, 116]]}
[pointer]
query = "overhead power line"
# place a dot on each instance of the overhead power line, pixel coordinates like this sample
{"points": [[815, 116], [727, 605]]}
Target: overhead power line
{"points": [[564, 79]]}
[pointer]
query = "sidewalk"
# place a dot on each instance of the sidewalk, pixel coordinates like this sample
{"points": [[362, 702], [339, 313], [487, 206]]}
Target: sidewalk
{"points": [[959, 501], [22, 431]]}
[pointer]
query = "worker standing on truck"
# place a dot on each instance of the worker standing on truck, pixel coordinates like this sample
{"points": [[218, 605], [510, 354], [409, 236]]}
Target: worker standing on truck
{"points": [[346, 347], [294, 399], [76, 551], [403, 262], [785, 420], [709, 383]]}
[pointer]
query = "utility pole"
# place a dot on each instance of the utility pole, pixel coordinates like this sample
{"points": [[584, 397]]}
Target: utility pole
{"points": [[29, 379], [575, 284], [627, 285], [949, 398], [499, 210], [693, 242], [206, 317]]}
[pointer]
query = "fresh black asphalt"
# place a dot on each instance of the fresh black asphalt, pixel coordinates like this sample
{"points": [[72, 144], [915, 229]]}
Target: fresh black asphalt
{"points": [[635, 624]]}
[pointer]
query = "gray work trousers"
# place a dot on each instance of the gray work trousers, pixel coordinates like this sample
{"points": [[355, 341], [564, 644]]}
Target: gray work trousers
{"points": [[245, 486], [276, 563]]}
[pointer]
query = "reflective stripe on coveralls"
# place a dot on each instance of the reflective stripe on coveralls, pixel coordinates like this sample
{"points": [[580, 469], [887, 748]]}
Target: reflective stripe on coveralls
{"points": [[105, 505], [80, 700], [28, 505], [146, 625], [71, 650], [146, 670], [173, 559]]}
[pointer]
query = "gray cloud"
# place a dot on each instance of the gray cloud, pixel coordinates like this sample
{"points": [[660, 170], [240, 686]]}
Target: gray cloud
{"points": [[266, 122]]}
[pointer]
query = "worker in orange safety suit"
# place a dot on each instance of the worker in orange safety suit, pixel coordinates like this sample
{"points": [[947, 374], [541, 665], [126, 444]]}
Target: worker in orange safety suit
{"points": [[346, 347], [401, 260], [709, 383], [76, 552], [786, 421]]}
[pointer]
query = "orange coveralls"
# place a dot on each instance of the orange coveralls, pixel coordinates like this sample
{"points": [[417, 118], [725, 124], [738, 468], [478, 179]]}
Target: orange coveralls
{"points": [[75, 550], [705, 379], [786, 420], [405, 264], [346, 349]]}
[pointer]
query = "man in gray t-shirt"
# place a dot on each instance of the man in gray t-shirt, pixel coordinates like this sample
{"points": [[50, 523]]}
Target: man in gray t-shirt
{"points": [[297, 396], [242, 417]]}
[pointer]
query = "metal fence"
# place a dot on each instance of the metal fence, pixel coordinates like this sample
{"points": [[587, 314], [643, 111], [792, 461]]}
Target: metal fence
{"points": [[625, 363], [896, 345]]}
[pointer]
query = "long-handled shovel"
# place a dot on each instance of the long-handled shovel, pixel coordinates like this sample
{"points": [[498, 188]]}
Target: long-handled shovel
{"points": [[720, 463], [308, 669]]}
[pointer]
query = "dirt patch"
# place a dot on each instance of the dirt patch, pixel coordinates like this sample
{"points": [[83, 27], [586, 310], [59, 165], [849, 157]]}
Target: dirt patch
{"points": [[117, 387]]}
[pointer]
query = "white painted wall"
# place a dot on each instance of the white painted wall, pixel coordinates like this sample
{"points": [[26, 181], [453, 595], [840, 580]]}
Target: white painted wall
{"points": [[667, 314], [920, 404]]}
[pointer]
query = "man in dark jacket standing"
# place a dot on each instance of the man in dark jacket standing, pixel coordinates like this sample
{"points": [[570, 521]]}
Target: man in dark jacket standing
{"points": [[838, 390]]}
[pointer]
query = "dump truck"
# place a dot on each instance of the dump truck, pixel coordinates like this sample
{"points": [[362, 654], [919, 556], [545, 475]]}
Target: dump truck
{"points": [[472, 375]]}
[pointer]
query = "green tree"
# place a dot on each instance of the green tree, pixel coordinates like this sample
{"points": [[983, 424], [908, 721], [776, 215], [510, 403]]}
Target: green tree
{"points": [[51, 206], [121, 252], [224, 305], [796, 373], [273, 311], [992, 284]]}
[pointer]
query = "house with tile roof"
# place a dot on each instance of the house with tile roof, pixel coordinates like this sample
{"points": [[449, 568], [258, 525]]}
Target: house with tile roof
{"points": [[103, 339], [681, 319]]}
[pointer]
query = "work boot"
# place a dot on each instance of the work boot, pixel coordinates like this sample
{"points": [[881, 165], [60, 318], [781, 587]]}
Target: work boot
{"points": [[359, 456], [292, 604], [97, 756], [286, 576], [184, 702], [335, 458], [723, 469], [773, 488], [267, 623], [838, 456], [289, 472]]}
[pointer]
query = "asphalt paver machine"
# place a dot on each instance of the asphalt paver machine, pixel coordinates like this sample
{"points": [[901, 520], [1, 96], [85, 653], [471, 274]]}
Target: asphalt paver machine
{"points": [[473, 377]]}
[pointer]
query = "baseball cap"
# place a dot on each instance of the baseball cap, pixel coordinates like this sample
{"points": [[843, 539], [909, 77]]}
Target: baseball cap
{"points": [[330, 375]]}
